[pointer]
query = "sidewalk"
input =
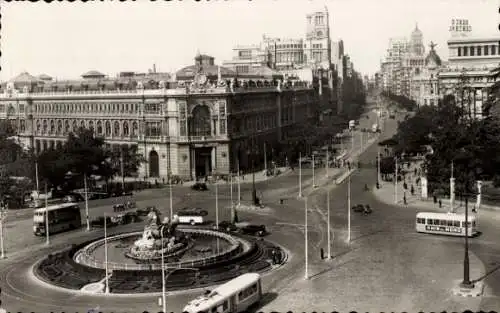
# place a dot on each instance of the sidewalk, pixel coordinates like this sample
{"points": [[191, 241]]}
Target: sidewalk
{"points": [[387, 194], [379, 272]]}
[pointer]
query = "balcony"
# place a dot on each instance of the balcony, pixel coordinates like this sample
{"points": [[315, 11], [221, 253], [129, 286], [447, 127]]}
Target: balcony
{"points": [[201, 139]]}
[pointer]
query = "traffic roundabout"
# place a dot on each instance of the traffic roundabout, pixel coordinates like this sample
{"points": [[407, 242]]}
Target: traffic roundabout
{"points": [[221, 256]]}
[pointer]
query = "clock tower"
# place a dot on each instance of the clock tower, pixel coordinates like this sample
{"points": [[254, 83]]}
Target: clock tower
{"points": [[317, 47]]}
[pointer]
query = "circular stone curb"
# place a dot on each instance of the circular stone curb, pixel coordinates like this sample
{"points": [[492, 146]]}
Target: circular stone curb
{"points": [[258, 255]]}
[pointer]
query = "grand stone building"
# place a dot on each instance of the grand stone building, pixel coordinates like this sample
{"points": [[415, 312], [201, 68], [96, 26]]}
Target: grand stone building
{"points": [[189, 128]]}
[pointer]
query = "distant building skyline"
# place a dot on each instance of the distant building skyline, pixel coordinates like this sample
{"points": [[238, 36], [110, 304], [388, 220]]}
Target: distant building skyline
{"points": [[117, 37]]}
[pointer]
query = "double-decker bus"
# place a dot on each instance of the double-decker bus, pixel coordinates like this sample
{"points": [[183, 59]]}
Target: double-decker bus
{"points": [[237, 295], [445, 224], [61, 217]]}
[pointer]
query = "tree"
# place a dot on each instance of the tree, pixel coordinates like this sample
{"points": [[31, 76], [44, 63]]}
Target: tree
{"points": [[129, 156], [82, 154], [387, 167]]}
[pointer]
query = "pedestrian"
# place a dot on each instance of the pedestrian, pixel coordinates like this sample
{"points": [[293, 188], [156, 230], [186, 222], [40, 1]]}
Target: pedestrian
{"points": [[273, 256], [404, 199], [415, 171], [440, 203], [434, 198], [412, 190], [322, 253], [405, 186]]}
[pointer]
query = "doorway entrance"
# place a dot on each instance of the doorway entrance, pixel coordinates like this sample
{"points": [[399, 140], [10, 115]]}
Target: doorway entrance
{"points": [[203, 161]]}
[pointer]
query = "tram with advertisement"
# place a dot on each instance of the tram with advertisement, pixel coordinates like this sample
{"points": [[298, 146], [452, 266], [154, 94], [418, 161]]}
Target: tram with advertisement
{"points": [[237, 295], [451, 224]]}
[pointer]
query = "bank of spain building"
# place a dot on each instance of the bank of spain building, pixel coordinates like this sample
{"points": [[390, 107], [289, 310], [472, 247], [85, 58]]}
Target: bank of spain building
{"points": [[189, 128]]}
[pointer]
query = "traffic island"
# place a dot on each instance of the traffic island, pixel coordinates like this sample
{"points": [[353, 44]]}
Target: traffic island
{"points": [[66, 269], [476, 290]]}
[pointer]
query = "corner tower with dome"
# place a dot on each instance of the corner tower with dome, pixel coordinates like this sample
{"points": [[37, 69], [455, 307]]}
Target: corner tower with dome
{"points": [[425, 87]]}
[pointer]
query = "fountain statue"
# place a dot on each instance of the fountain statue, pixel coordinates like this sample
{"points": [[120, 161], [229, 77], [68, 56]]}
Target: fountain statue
{"points": [[150, 245]]}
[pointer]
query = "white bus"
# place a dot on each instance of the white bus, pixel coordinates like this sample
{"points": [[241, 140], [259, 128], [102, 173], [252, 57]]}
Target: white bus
{"points": [[445, 224], [62, 217], [192, 218], [237, 295]]}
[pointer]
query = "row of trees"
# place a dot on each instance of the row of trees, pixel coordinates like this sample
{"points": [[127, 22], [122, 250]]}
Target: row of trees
{"points": [[83, 154], [404, 102], [61, 167], [472, 145]]}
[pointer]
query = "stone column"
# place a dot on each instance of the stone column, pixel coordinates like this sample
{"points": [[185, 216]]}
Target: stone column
{"points": [[192, 156], [423, 181]]}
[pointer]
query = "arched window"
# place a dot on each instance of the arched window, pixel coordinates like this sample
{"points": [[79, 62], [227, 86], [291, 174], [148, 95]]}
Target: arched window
{"points": [[125, 129], [91, 125], [116, 129], [99, 127], [53, 126], [108, 128], [23, 125], [38, 127], [82, 124], [200, 125], [45, 127], [74, 126], [66, 127]]}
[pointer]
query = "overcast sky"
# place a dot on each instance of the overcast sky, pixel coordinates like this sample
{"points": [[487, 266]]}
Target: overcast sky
{"points": [[65, 39]]}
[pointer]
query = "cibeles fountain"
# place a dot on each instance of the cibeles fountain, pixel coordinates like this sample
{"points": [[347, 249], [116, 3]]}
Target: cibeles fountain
{"points": [[160, 238], [131, 262]]}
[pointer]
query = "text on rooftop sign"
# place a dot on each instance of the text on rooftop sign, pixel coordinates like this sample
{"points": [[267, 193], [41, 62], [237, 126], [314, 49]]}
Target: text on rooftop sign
{"points": [[460, 25]]}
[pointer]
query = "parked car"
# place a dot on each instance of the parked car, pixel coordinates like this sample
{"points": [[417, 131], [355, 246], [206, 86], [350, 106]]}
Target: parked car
{"points": [[131, 217], [193, 211], [35, 204], [358, 208], [227, 226], [73, 197], [199, 187], [254, 230], [99, 222], [143, 212]]}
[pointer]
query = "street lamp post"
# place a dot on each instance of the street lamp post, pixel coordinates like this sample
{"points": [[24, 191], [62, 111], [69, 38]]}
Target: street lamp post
{"points": [[300, 175], [106, 253], [378, 166], [328, 221], [349, 209], [466, 283], [47, 238], [396, 182], [239, 182], [86, 202], [163, 291], [171, 201], [313, 165], [327, 161], [2, 217], [217, 211], [265, 158], [231, 188], [306, 275], [36, 177]]}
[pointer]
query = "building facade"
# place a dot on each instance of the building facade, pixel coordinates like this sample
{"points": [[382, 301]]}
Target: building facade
{"points": [[425, 84], [193, 128], [468, 73], [404, 59]]}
